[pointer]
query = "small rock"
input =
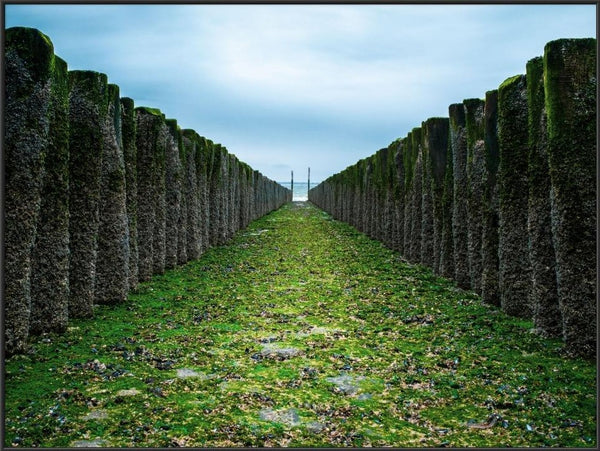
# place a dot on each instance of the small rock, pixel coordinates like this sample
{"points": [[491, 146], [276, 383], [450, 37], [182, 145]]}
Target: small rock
{"points": [[288, 417], [269, 351], [365, 397], [183, 373], [96, 443], [346, 383], [314, 427], [96, 415], [130, 392]]}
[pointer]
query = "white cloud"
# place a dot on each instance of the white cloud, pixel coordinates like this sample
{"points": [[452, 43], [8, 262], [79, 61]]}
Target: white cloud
{"points": [[318, 85]]}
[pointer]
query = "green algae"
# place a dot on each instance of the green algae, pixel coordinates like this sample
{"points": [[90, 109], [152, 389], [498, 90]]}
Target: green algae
{"points": [[434, 361]]}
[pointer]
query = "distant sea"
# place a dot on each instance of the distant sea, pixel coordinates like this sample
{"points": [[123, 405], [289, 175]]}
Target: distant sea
{"points": [[300, 189]]}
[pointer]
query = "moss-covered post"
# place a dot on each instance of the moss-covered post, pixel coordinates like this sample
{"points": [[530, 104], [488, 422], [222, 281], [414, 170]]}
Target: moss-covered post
{"points": [[368, 197], [408, 195], [427, 239], [390, 189], [112, 270], [250, 175], [436, 144], [447, 205], [151, 186], [88, 109], [192, 198], [203, 172], [489, 232], [182, 256], [159, 244], [458, 142], [130, 156], [215, 194], [29, 62], [357, 180], [417, 196], [399, 196], [570, 93], [50, 257], [233, 200], [243, 195], [173, 176], [543, 292], [514, 266], [474, 111]]}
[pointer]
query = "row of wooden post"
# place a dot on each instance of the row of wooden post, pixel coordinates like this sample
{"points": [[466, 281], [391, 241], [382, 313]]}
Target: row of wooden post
{"points": [[500, 196], [100, 195]]}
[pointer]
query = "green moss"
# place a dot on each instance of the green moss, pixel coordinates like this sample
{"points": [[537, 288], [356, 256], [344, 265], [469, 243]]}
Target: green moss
{"points": [[33, 47], [213, 317], [153, 111]]}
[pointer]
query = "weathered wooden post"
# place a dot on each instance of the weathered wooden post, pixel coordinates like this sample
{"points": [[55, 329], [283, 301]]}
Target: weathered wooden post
{"points": [[458, 142], [50, 256], [514, 266], [543, 292], [130, 157], [112, 270], [435, 147], [447, 206], [151, 153], [489, 233], [570, 93], [475, 167], [88, 110]]}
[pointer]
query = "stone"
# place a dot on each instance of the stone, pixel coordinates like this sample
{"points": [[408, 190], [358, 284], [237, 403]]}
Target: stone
{"points": [[130, 392], [346, 383], [270, 351], [99, 414], [95, 443], [184, 373], [289, 417], [314, 427]]}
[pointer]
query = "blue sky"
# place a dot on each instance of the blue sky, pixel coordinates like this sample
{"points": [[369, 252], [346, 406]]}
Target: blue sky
{"points": [[285, 87]]}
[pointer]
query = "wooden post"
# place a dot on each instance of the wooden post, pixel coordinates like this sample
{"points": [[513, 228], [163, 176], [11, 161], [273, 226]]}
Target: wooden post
{"points": [[292, 185], [308, 189]]}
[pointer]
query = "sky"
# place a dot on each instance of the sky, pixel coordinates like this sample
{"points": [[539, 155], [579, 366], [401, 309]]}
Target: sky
{"points": [[287, 87]]}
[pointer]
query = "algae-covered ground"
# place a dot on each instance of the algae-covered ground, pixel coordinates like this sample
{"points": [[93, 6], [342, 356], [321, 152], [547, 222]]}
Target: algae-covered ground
{"points": [[300, 332]]}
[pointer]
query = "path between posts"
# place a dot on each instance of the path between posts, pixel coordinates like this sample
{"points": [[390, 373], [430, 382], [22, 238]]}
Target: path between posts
{"points": [[299, 332]]}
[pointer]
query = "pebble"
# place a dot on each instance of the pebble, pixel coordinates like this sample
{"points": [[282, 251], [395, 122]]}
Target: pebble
{"points": [[289, 417], [315, 427], [346, 383], [99, 414], [130, 392], [269, 351], [183, 373], [96, 443]]}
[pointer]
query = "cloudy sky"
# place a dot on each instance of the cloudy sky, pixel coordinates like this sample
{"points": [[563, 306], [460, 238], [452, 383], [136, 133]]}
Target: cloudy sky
{"points": [[285, 87]]}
